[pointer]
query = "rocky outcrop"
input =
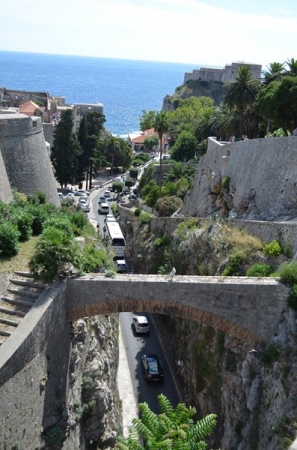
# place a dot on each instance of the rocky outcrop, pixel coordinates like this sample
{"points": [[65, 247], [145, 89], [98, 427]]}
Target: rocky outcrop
{"points": [[250, 179], [252, 390], [93, 402]]}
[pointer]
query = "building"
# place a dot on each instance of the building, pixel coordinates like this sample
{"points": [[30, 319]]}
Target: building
{"points": [[136, 140], [228, 73]]}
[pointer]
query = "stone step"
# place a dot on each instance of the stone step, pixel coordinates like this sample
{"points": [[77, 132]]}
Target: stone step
{"points": [[27, 283], [23, 292], [12, 323], [23, 274], [12, 312], [5, 333], [12, 301]]}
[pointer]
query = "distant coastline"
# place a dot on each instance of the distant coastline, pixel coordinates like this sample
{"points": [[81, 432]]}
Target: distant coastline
{"points": [[125, 87]]}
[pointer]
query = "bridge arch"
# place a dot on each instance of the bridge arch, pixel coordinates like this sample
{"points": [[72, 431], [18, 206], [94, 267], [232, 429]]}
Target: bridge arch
{"points": [[242, 307]]}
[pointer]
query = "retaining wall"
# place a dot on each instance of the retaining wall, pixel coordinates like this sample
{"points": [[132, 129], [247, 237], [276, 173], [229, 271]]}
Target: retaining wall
{"points": [[33, 371]]}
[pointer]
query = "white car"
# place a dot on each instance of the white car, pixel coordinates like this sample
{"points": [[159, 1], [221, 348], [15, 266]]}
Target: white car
{"points": [[141, 324], [60, 195], [70, 195], [85, 207], [83, 199], [106, 194]]}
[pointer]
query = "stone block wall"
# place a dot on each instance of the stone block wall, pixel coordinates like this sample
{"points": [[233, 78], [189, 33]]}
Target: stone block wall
{"points": [[261, 180], [33, 371], [25, 156]]}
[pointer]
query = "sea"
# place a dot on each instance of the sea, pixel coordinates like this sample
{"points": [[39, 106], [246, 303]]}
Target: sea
{"points": [[125, 87]]}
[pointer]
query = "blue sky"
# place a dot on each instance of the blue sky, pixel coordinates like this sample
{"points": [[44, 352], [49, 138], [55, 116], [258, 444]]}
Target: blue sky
{"points": [[210, 32]]}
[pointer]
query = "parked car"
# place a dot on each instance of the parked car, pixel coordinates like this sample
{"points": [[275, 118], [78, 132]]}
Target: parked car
{"points": [[85, 207], [141, 324], [152, 367], [70, 195], [79, 192], [83, 199], [60, 195]]}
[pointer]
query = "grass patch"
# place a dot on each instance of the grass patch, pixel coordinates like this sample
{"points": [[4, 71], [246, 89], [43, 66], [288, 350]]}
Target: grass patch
{"points": [[240, 240], [19, 261]]}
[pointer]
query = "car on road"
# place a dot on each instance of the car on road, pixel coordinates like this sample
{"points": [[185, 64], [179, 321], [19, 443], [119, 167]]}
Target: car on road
{"points": [[121, 266], [103, 208], [152, 367], [141, 325], [107, 194], [70, 195], [85, 207], [101, 200]]}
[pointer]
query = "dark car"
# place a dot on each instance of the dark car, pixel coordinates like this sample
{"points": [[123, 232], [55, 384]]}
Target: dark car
{"points": [[152, 367]]}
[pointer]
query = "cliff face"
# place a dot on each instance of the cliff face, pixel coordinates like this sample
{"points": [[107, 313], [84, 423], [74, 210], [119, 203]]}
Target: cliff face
{"points": [[93, 402], [195, 88], [252, 390], [251, 179]]}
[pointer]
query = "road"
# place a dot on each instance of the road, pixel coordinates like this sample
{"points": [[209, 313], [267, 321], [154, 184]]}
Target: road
{"points": [[135, 347]]}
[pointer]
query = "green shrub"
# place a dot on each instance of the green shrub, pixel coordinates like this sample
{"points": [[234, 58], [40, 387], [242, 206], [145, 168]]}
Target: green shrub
{"points": [[24, 223], [38, 198], [110, 274], [270, 354], [137, 212], [9, 238], [134, 172], [186, 226], [233, 268], [144, 217], [273, 248], [78, 221], [292, 299], [168, 205], [40, 214], [226, 183], [55, 252], [61, 223], [114, 209], [259, 270], [93, 259], [288, 273]]}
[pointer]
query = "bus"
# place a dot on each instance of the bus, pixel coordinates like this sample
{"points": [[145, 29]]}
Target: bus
{"points": [[116, 239]]}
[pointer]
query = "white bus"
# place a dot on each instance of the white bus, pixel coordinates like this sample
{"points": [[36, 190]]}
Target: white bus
{"points": [[116, 238]]}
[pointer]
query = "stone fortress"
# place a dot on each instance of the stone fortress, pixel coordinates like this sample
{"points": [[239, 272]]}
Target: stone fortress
{"points": [[27, 121], [228, 73]]}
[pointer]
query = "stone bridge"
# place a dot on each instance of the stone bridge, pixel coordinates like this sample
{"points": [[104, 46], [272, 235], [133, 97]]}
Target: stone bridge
{"points": [[247, 308]]}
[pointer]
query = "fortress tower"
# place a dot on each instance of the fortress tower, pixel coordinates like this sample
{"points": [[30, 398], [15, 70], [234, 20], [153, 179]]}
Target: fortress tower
{"points": [[25, 156]]}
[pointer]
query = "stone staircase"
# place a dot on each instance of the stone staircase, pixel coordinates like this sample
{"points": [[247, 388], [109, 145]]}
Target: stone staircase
{"points": [[19, 297]]}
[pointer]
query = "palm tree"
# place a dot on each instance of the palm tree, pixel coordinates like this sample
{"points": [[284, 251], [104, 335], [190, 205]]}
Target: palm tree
{"points": [[241, 93], [161, 126], [112, 146], [274, 72], [175, 171], [292, 67], [173, 428]]}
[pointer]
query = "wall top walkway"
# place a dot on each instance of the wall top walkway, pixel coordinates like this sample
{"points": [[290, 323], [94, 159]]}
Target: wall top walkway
{"points": [[240, 306]]}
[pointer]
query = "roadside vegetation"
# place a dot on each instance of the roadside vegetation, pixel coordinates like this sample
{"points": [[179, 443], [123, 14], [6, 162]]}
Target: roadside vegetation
{"points": [[42, 238]]}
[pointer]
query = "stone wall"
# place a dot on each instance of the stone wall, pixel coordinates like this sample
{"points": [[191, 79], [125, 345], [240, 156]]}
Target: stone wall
{"points": [[5, 189], [25, 156], [252, 179], [33, 371]]}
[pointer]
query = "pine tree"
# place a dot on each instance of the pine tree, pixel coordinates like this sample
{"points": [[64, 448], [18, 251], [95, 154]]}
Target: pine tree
{"points": [[65, 150]]}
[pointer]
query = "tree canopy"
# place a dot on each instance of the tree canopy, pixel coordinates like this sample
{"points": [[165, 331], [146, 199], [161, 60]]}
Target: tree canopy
{"points": [[65, 151]]}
